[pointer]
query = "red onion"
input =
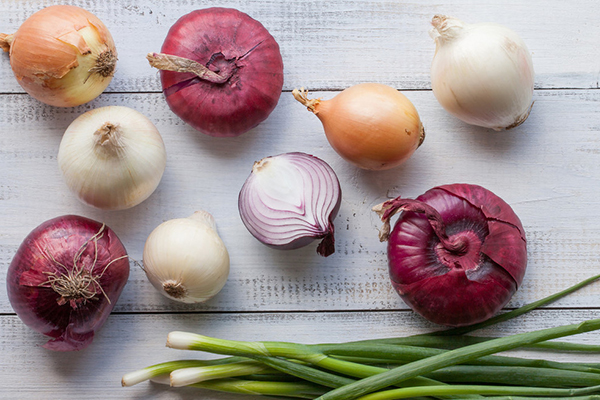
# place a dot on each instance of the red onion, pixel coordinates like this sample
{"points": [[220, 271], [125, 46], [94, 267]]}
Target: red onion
{"points": [[457, 253], [221, 71], [291, 199], [66, 278]]}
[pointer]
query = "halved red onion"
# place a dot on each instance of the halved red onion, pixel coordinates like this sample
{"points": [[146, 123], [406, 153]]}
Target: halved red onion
{"points": [[457, 253], [291, 199]]}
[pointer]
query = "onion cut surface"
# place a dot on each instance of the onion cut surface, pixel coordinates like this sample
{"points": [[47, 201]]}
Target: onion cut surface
{"points": [[290, 200]]}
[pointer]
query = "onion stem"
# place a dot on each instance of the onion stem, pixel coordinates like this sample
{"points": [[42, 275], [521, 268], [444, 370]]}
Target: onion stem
{"points": [[521, 376], [5, 41], [453, 342], [168, 62], [302, 96], [591, 397]]}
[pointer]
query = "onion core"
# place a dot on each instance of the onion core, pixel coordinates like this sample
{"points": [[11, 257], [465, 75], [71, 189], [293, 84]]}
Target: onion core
{"points": [[457, 253], [65, 279]]}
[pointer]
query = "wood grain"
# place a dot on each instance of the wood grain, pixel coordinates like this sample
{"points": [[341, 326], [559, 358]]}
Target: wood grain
{"points": [[546, 169], [130, 342], [336, 44]]}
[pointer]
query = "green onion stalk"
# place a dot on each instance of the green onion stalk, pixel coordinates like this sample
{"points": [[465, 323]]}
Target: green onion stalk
{"points": [[446, 365], [452, 357]]}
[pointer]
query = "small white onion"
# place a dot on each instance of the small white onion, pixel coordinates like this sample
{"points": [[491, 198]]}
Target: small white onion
{"points": [[112, 157], [481, 73], [186, 260]]}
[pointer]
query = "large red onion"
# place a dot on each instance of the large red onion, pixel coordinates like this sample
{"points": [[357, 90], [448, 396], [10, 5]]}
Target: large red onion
{"points": [[291, 199], [221, 71], [66, 278], [457, 253]]}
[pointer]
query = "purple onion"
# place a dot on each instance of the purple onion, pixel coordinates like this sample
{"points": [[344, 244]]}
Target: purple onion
{"points": [[225, 71], [457, 253], [291, 199], [65, 279]]}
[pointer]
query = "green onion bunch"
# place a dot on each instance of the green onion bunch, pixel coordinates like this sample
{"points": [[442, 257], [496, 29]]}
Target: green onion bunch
{"points": [[446, 364]]}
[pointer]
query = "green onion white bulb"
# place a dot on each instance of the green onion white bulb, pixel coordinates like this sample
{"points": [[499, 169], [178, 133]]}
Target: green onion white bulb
{"points": [[112, 158]]}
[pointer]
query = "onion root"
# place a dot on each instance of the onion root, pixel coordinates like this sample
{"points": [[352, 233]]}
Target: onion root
{"points": [[78, 285], [105, 65]]}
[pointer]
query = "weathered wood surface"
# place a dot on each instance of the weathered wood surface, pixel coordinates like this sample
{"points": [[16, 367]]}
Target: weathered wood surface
{"points": [[132, 341], [334, 44], [547, 170]]}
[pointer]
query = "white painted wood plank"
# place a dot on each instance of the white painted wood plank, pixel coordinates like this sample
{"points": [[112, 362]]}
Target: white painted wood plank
{"points": [[129, 342], [547, 169], [334, 44]]}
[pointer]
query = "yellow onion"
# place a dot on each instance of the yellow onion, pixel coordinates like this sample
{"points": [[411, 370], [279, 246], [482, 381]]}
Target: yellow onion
{"points": [[370, 125], [62, 55]]}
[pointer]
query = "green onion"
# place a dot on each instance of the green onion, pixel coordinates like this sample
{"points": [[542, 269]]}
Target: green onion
{"points": [[153, 371], [301, 390], [188, 376], [404, 393], [404, 354], [457, 356], [441, 364], [521, 376]]}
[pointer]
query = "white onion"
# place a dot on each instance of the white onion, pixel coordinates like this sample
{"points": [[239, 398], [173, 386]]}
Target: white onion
{"points": [[112, 157], [186, 260], [481, 73]]}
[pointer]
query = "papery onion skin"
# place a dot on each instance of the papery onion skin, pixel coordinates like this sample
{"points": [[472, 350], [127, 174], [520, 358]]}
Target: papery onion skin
{"points": [[291, 220], [482, 73], [370, 125], [62, 55], [226, 41], [71, 322], [469, 275]]}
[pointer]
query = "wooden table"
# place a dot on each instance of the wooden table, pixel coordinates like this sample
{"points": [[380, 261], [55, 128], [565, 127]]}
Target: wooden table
{"points": [[548, 170]]}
